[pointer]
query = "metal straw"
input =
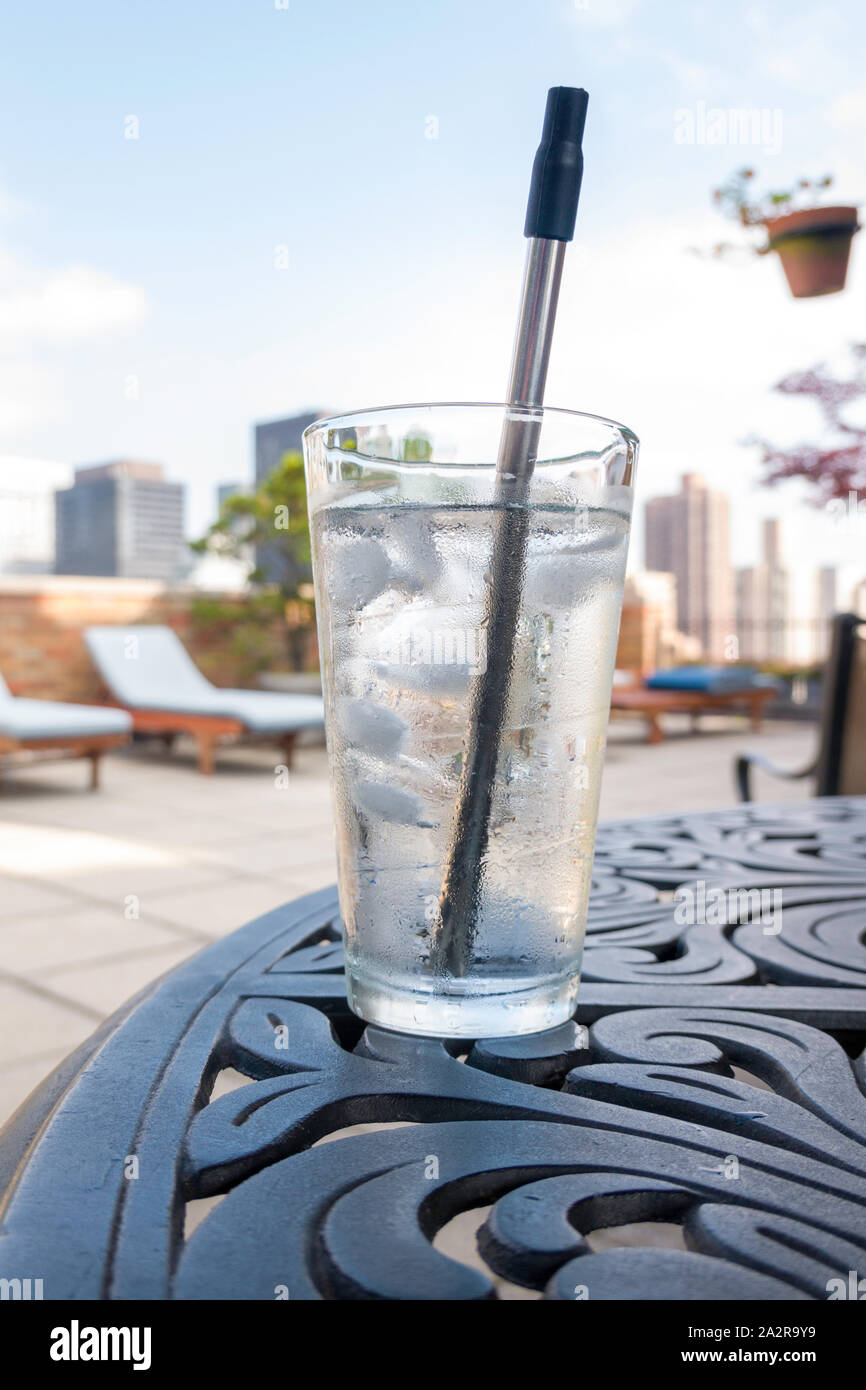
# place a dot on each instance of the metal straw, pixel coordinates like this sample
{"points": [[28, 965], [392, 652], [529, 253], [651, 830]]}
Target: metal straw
{"points": [[550, 218]]}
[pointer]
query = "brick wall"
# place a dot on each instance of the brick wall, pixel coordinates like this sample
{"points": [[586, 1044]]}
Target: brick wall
{"points": [[42, 619], [637, 634], [646, 642]]}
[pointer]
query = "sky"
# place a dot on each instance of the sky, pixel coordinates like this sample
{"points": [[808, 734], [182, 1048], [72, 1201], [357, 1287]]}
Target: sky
{"points": [[214, 212]]}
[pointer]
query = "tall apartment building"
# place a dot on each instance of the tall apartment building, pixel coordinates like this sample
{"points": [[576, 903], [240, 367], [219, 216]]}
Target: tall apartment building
{"points": [[764, 617], [826, 606], [121, 518], [278, 437], [272, 440], [688, 535]]}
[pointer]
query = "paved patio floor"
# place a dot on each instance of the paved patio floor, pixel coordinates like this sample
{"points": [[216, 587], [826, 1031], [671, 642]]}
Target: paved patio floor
{"points": [[100, 893]]}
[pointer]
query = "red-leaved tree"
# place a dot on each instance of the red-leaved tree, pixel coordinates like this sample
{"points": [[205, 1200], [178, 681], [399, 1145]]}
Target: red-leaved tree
{"points": [[835, 470]]}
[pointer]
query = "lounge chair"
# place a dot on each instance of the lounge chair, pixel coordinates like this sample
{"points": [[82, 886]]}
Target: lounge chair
{"points": [[694, 691], [839, 764], [76, 731], [150, 673]]}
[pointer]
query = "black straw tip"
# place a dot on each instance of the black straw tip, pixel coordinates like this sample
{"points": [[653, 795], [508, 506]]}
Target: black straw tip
{"points": [[558, 167]]}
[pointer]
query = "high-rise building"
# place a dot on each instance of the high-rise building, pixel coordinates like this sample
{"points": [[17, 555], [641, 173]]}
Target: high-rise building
{"points": [[272, 440], [278, 437], [688, 535], [225, 491], [826, 605], [27, 489], [121, 518], [764, 621], [772, 537]]}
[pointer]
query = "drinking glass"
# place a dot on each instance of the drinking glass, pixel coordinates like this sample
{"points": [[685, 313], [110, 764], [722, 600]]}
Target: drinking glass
{"points": [[403, 506]]}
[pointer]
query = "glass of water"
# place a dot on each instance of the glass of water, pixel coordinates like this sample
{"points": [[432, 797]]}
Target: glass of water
{"points": [[403, 509]]}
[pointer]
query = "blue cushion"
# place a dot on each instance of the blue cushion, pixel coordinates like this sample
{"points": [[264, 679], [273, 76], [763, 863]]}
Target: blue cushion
{"points": [[709, 680], [35, 719]]}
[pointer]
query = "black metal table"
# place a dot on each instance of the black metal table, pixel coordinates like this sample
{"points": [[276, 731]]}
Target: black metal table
{"points": [[719, 1089]]}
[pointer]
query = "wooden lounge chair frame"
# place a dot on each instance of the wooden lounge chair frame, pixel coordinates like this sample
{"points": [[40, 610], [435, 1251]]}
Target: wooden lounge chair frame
{"points": [[91, 747], [206, 729], [653, 703]]}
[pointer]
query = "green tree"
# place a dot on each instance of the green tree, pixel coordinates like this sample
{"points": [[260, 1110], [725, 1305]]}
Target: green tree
{"points": [[270, 526]]}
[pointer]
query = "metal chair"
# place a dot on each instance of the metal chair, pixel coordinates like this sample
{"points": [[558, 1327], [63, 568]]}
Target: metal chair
{"points": [[839, 767]]}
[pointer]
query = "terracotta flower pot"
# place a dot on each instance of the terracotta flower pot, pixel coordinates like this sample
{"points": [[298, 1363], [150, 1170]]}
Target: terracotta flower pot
{"points": [[813, 246]]}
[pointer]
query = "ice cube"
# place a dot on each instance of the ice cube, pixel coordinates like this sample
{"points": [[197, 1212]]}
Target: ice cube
{"points": [[358, 571], [566, 579], [394, 804], [419, 563], [371, 727], [429, 779]]}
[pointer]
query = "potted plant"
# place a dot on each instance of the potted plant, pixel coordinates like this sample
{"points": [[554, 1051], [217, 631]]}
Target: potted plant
{"points": [[812, 241]]}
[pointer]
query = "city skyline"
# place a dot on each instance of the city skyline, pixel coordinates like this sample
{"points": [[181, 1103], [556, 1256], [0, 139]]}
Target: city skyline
{"points": [[688, 535], [773, 610], [205, 280]]}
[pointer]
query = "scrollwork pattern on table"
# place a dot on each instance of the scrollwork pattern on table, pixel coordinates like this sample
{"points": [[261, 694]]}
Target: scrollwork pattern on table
{"points": [[713, 1081]]}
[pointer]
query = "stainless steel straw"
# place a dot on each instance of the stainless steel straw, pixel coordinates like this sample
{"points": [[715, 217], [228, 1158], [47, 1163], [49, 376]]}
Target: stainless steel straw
{"points": [[550, 218]]}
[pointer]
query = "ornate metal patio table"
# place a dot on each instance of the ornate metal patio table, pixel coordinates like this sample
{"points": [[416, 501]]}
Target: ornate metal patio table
{"points": [[714, 1081]]}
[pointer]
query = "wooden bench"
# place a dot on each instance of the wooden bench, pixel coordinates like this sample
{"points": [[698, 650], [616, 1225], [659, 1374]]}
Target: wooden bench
{"points": [[652, 703], [92, 747]]}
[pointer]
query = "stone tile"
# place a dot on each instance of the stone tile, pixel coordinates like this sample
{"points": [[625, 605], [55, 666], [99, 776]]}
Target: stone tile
{"points": [[52, 853], [21, 897], [273, 856], [104, 986], [188, 835], [692, 772], [77, 811], [32, 1024], [145, 881], [216, 911], [315, 876], [40, 944]]}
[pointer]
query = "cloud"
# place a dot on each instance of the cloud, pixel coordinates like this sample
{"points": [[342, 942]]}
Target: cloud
{"points": [[605, 14], [74, 304], [28, 394], [848, 111], [684, 71]]}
